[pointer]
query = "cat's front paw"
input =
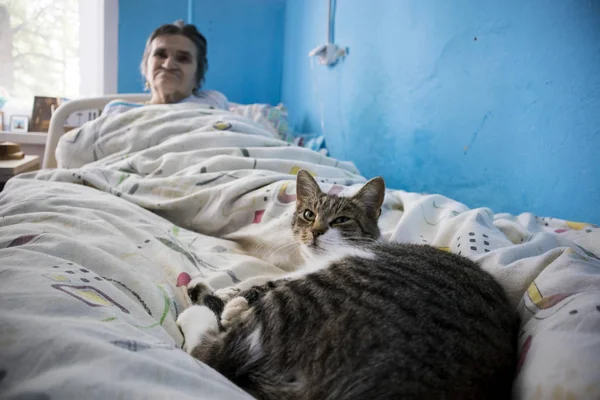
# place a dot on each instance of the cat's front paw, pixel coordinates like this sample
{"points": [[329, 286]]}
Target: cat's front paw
{"points": [[227, 293], [233, 311], [198, 289]]}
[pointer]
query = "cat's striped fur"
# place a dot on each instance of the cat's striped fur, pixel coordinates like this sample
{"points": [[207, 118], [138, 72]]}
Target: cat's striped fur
{"points": [[363, 320]]}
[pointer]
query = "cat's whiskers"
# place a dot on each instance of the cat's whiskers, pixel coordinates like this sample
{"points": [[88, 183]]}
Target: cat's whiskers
{"points": [[268, 246], [280, 249]]}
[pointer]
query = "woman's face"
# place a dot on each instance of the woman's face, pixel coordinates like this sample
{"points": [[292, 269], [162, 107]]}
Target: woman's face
{"points": [[171, 68]]}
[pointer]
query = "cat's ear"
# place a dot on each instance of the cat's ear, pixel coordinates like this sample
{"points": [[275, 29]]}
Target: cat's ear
{"points": [[371, 196], [306, 187]]}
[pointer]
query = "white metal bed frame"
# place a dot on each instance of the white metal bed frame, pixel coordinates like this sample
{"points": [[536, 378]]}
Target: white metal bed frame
{"points": [[60, 115]]}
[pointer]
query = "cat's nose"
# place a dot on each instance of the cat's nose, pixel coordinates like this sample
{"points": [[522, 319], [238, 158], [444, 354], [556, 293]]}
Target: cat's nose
{"points": [[317, 232]]}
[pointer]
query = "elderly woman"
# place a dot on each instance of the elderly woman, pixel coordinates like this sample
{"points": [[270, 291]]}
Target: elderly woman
{"points": [[173, 66]]}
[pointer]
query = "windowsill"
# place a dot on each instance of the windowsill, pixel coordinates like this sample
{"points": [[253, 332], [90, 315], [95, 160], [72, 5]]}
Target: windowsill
{"points": [[38, 138]]}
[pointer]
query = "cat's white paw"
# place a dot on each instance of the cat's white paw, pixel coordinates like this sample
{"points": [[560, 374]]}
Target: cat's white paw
{"points": [[233, 310], [227, 293], [194, 322], [197, 289]]}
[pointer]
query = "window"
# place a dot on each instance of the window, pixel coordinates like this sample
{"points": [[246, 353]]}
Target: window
{"points": [[56, 48], [39, 49]]}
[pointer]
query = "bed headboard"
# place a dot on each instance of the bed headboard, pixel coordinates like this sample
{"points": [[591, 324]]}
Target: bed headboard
{"points": [[60, 115]]}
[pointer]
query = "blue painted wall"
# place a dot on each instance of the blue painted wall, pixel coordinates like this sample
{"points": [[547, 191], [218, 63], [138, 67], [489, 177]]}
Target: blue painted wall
{"points": [[493, 104], [245, 43]]}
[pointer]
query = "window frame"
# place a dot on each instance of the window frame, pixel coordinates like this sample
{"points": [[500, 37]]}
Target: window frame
{"points": [[98, 29]]}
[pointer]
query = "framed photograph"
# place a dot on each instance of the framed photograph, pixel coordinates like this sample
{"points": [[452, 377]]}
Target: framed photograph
{"points": [[18, 123], [43, 107]]}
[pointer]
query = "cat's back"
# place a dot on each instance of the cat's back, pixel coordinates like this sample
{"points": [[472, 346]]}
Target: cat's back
{"points": [[442, 321], [428, 287], [438, 271], [423, 276], [410, 321]]}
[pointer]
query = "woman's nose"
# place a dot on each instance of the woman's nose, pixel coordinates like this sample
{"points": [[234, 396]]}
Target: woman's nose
{"points": [[169, 63]]}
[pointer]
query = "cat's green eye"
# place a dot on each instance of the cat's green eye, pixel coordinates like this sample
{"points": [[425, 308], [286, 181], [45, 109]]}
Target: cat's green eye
{"points": [[340, 220], [309, 215]]}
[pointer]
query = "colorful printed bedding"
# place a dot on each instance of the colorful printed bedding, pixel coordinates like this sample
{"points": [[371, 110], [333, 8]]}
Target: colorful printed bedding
{"points": [[90, 254]]}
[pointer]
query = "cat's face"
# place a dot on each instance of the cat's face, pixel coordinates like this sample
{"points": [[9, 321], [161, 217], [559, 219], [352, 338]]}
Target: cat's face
{"points": [[325, 223]]}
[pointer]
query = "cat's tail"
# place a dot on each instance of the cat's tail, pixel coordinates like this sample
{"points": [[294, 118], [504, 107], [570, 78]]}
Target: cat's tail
{"points": [[237, 353], [273, 385]]}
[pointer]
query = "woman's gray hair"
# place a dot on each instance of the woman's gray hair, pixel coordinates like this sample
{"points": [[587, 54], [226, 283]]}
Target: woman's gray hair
{"points": [[189, 31]]}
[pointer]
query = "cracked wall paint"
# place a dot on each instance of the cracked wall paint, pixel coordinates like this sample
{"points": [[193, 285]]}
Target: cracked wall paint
{"points": [[495, 106]]}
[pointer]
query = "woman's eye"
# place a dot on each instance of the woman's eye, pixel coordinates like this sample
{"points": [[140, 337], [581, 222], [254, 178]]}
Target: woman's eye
{"points": [[160, 54], [183, 59], [309, 215], [340, 220]]}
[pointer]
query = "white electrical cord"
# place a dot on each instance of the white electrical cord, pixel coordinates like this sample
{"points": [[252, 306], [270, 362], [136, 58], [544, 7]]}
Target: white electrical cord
{"points": [[329, 36], [316, 95], [328, 53]]}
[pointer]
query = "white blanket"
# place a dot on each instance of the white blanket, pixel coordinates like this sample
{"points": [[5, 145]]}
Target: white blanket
{"points": [[88, 278]]}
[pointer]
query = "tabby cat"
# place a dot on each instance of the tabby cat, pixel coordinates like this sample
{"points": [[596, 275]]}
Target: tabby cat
{"points": [[362, 319]]}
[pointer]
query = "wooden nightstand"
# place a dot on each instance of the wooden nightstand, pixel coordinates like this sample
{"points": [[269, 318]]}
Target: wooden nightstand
{"points": [[33, 143], [10, 168]]}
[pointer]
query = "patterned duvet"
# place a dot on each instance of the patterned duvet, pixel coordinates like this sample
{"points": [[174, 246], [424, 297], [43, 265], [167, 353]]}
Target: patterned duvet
{"points": [[90, 254]]}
